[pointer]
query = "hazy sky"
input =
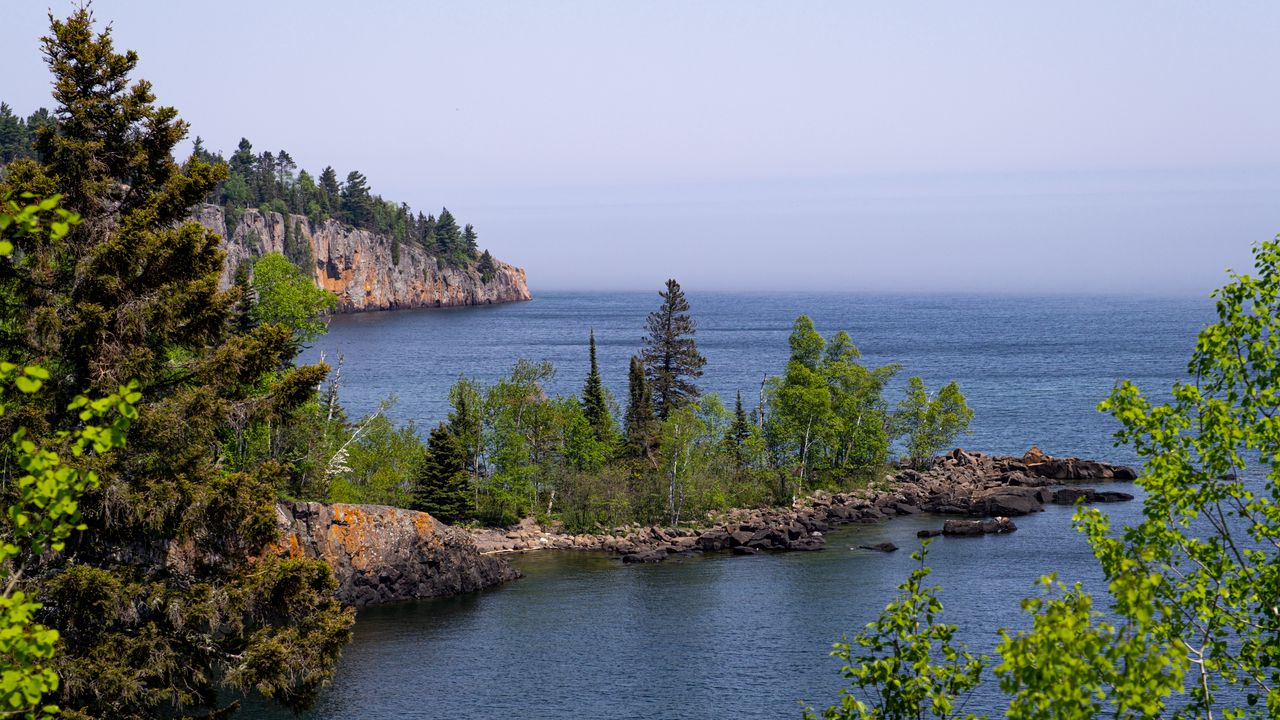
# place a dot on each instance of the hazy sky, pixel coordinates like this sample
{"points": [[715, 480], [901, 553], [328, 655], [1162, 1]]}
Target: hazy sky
{"points": [[1003, 146]]}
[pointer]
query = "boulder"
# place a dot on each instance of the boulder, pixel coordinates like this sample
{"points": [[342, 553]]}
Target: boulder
{"points": [[382, 554], [879, 547]]}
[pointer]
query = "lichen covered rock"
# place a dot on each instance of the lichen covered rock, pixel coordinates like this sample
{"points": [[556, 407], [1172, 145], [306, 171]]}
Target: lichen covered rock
{"points": [[382, 554]]}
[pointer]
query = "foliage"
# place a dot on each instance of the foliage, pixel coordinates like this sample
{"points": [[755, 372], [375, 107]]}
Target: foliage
{"points": [[286, 296], [906, 663], [45, 509], [1191, 630], [827, 412], [132, 292], [595, 400], [442, 486], [671, 358], [640, 424], [931, 425]]}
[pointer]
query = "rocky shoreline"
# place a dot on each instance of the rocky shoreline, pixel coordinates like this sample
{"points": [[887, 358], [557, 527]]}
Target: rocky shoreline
{"points": [[985, 490]]}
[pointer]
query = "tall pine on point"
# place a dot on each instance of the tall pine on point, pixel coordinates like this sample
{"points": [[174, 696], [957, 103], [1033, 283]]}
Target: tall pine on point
{"points": [[670, 355], [595, 403], [443, 487], [641, 425]]}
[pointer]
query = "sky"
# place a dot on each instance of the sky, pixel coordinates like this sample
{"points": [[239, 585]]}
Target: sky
{"points": [[1008, 147]]}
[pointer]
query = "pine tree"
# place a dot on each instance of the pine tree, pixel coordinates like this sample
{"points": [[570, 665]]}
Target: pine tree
{"points": [[641, 425], [357, 203], [141, 636], [471, 240], [738, 434], [595, 400], [447, 235], [671, 356], [330, 193], [486, 266], [442, 487]]}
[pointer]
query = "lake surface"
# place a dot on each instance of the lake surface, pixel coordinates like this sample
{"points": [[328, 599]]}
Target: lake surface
{"points": [[721, 636]]}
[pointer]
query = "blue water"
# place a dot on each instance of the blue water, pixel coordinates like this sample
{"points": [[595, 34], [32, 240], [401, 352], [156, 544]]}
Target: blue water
{"points": [[720, 636]]}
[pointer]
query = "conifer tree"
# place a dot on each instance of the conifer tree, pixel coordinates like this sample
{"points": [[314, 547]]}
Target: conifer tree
{"points": [[486, 266], [471, 239], [641, 425], [670, 355], [172, 593], [595, 400], [357, 203], [738, 434], [447, 235], [330, 193], [442, 487]]}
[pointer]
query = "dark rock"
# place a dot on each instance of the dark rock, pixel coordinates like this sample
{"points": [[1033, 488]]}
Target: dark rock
{"points": [[739, 537], [928, 533], [713, 540], [744, 550], [880, 547], [651, 556], [978, 527]]}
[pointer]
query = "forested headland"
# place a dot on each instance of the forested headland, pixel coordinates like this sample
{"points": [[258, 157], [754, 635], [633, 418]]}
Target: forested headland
{"points": [[331, 228], [154, 415]]}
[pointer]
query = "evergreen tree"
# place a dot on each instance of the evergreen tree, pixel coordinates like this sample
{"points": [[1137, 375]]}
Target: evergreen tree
{"points": [[14, 141], [172, 593], [357, 203], [595, 399], [442, 487], [739, 433], [670, 355], [471, 240], [641, 425], [448, 237], [486, 266], [243, 160], [329, 191]]}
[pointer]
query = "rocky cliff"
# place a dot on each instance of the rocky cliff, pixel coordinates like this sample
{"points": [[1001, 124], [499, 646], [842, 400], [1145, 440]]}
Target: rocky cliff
{"points": [[382, 554], [359, 266]]}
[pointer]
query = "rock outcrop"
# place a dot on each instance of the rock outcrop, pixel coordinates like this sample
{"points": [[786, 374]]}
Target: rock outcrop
{"points": [[382, 554], [358, 265], [972, 485]]}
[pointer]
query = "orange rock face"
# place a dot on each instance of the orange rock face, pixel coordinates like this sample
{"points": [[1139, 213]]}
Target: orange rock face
{"points": [[358, 266], [382, 554]]}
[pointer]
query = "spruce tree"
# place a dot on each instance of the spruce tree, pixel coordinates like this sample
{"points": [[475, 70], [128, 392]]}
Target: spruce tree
{"points": [[357, 203], [447, 235], [670, 355], [486, 266], [738, 434], [173, 594], [471, 240], [595, 401], [330, 192], [442, 487], [641, 425]]}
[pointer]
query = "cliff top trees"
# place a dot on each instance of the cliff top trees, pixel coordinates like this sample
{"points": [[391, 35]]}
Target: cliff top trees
{"points": [[670, 355], [132, 293]]}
